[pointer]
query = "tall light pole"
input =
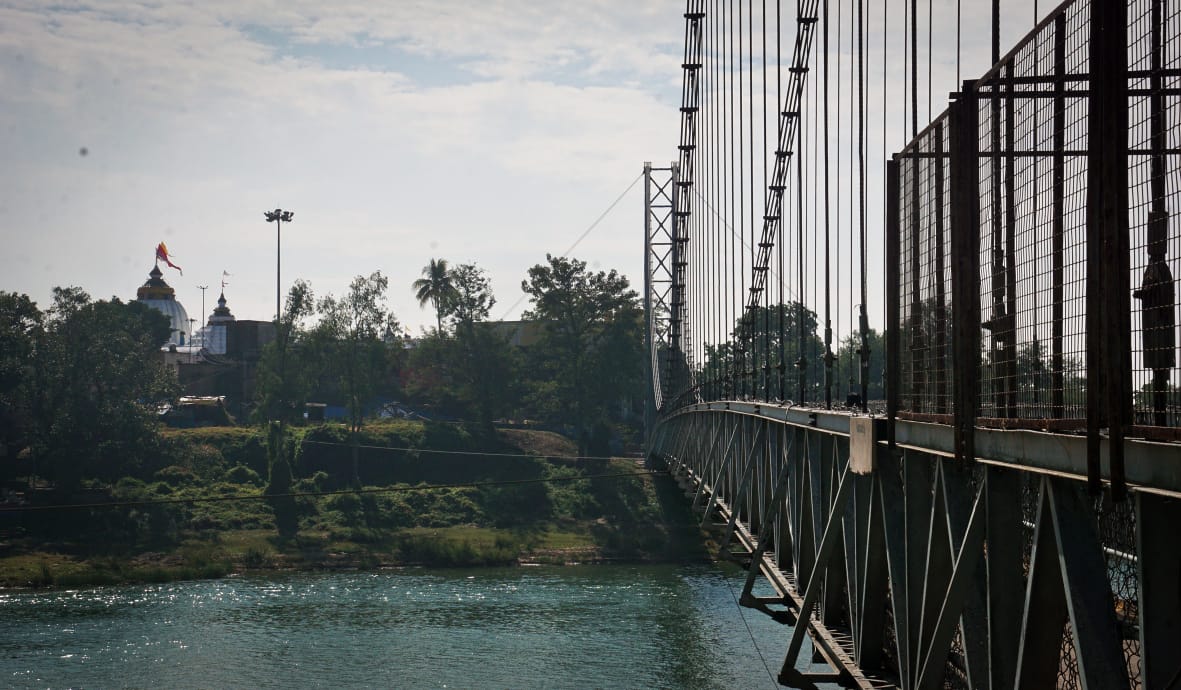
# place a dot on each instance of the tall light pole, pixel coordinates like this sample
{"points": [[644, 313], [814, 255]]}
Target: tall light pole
{"points": [[202, 288], [278, 217]]}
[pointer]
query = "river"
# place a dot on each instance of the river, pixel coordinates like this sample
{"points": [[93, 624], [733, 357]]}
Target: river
{"points": [[601, 626]]}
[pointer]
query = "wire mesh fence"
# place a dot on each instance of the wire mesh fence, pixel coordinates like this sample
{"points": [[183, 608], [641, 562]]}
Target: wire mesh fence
{"points": [[1032, 163], [1070, 298], [1044, 270], [925, 285], [1154, 186]]}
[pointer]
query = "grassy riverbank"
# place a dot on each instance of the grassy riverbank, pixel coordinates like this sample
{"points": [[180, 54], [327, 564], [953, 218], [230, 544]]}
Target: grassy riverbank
{"points": [[512, 497]]}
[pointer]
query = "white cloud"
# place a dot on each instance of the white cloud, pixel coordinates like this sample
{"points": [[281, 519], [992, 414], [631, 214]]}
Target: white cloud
{"points": [[492, 131], [195, 121]]}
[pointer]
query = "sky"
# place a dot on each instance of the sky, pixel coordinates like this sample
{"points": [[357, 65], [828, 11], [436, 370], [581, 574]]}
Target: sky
{"points": [[397, 132]]}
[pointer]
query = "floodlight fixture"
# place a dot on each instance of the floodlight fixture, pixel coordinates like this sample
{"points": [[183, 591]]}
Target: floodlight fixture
{"points": [[278, 217]]}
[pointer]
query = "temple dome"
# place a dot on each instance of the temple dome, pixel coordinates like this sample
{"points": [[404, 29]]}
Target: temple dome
{"points": [[213, 335], [222, 313], [160, 296]]}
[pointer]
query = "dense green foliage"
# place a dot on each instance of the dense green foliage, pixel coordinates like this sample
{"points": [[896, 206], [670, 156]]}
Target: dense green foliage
{"points": [[498, 501], [847, 367], [591, 351], [474, 375], [578, 364], [80, 382], [748, 363], [287, 368]]}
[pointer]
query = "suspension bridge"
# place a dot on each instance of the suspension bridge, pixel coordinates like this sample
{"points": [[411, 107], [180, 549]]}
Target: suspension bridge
{"points": [[982, 492]]}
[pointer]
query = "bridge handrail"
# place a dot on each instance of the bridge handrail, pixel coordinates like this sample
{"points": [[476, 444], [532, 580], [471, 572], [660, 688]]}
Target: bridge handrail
{"points": [[1024, 312]]}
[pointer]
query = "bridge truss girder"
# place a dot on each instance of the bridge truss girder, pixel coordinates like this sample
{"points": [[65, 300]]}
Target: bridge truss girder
{"points": [[918, 570]]}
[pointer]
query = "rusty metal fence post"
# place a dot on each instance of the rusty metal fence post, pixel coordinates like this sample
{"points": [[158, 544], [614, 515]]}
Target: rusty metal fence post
{"points": [[1109, 321], [965, 275], [893, 299]]}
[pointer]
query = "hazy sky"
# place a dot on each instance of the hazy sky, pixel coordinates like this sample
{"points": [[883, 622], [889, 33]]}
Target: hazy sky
{"points": [[488, 132]]}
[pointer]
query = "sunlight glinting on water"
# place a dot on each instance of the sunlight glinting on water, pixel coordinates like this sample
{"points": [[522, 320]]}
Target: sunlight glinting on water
{"points": [[593, 626]]}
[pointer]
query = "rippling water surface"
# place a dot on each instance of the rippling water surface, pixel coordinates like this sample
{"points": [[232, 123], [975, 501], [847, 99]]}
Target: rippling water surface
{"points": [[546, 627]]}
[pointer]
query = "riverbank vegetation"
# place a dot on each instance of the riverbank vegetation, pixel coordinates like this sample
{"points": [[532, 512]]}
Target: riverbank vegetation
{"points": [[434, 494], [98, 490]]}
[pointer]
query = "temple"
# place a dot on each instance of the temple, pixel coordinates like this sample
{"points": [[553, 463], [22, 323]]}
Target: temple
{"points": [[160, 296]]}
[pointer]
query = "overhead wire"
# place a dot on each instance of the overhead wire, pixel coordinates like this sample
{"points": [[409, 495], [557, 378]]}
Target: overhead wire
{"points": [[800, 360], [754, 194], [827, 229], [814, 212], [750, 633], [583, 236], [914, 68], [767, 291], [782, 367], [706, 184], [836, 205], [862, 130], [741, 311], [712, 160], [885, 101], [813, 205], [732, 364], [852, 142]]}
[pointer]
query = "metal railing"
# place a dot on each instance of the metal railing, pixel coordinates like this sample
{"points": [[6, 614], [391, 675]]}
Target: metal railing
{"points": [[1034, 285]]}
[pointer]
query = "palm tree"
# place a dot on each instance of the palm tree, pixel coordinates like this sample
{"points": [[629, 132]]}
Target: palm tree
{"points": [[435, 286]]}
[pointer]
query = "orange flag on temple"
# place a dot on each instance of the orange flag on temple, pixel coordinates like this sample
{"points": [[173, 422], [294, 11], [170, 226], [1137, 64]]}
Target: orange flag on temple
{"points": [[162, 255]]}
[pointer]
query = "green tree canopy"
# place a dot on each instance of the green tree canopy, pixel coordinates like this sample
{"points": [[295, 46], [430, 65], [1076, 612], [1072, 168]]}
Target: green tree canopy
{"points": [[847, 368], [591, 351], [471, 295], [749, 363], [475, 375], [20, 326], [286, 369], [354, 338], [95, 380]]}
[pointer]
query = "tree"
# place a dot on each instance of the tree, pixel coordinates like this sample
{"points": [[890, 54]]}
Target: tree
{"points": [[488, 373], [352, 332], [591, 350], [485, 364], [283, 383], [847, 368], [474, 374], [436, 286], [763, 339], [20, 325], [1035, 380], [95, 381], [471, 295], [284, 371]]}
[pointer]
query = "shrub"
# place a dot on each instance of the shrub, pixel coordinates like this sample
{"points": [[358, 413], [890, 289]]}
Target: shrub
{"points": [[256, 557], [313, 484], [129, 487], [161, 489], [348, 505], [176, 475], [241, 474]]}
